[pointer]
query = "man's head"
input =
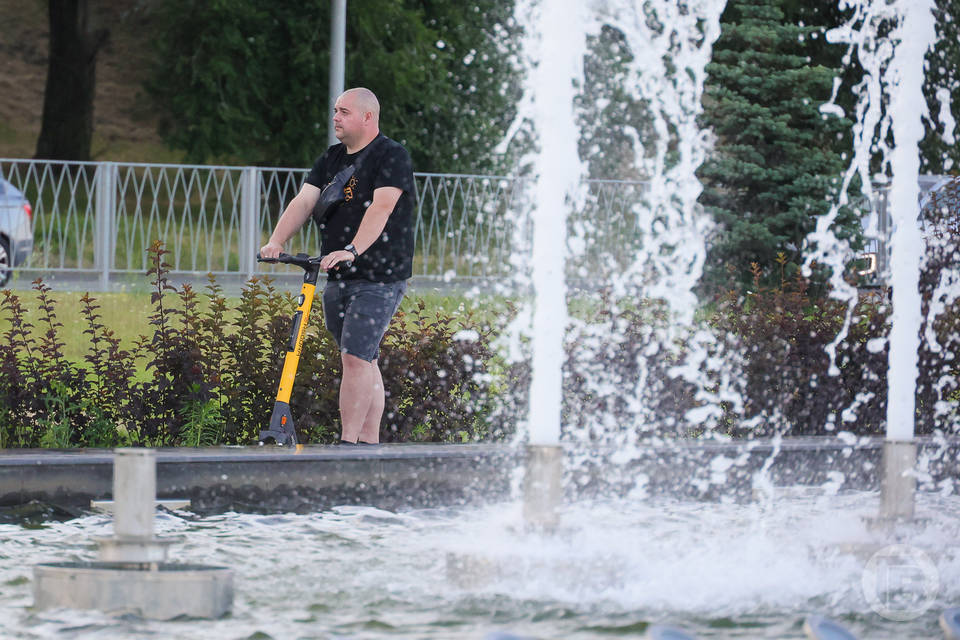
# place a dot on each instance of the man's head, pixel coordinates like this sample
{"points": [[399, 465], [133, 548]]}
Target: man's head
{"points": [[356, 117]]}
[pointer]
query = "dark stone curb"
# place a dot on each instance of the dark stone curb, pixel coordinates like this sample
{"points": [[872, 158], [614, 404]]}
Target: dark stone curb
{"points": [[393, 476], [720, 470], [270, 479]]}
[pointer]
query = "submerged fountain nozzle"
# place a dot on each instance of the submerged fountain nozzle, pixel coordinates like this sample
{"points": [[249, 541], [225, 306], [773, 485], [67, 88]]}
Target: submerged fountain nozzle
{"points": [[899, 482], [542, 486], [131, 575], [134, 495]]}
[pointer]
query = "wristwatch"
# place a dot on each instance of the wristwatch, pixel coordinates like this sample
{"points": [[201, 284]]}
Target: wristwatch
{"points": [[352, 249]]}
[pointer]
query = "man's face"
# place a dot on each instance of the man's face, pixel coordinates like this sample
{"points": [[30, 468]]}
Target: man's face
{"points": [[348, 120]]}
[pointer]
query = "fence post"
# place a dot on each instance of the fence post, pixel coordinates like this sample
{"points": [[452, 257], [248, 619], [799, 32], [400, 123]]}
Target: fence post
{"points": [[106, 207], [249, 220], [883, 252]]}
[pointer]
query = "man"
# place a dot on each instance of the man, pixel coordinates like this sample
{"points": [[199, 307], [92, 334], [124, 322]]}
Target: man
{"points": [[367, 250]]}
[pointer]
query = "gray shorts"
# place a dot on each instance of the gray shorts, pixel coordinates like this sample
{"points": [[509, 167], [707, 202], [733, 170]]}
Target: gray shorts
{"points": [[358, 312]]}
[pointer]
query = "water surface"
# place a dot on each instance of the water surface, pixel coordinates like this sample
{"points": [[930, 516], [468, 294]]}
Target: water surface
{"points": [[614, 567]]}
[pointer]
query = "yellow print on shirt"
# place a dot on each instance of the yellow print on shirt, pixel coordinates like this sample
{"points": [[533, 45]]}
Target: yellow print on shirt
{"points": [[348, 189]]}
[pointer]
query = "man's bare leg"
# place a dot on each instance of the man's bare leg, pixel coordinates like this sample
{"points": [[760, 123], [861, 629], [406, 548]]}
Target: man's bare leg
{"points": [[370, 433], [356, 392]]}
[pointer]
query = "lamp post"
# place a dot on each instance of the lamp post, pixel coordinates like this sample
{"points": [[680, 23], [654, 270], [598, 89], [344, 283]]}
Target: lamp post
{"points": [[338, 45]]}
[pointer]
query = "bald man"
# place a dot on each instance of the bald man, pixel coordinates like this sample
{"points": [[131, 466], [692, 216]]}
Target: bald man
{"points": [[360, 192]]}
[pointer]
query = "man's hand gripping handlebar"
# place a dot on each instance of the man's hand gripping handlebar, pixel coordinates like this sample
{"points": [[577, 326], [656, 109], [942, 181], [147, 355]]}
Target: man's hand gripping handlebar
{"points": [[301, 260]]}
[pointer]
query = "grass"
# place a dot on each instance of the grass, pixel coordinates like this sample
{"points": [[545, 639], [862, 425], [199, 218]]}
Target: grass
{"points": [[124, 313]]}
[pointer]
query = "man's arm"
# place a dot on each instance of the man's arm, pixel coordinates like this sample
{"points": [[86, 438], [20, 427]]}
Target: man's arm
{"points": [[374, 220], [293, 217]]}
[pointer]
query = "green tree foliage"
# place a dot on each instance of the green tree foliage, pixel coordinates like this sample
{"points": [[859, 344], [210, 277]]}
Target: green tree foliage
{"points": [[611, 118], [939, 152], [777, 159], [246, 81]]}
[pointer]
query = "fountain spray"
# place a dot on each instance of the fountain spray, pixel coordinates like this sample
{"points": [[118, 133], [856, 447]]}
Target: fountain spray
{"points": [[893, 66], [916, 31], [676, 45], [557, 68]]}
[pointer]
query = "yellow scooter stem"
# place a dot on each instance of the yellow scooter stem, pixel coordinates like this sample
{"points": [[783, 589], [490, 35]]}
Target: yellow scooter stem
{"points": [[295, 346], [282, 429]]}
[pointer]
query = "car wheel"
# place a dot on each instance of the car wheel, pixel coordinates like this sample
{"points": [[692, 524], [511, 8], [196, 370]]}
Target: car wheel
{"points": [[5, 267]]}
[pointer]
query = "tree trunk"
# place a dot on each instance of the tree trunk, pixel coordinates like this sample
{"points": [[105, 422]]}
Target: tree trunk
{"points": [[67, 127]]}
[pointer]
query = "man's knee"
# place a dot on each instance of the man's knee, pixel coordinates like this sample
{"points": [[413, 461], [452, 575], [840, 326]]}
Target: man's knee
{"points": [[353, 364]]}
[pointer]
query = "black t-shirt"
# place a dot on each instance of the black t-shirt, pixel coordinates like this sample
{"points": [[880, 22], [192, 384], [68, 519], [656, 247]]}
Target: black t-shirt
{"points": [[387, 164]]}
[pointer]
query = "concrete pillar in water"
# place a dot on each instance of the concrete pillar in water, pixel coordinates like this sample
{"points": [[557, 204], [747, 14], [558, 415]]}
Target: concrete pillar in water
{"points": [[130, 575], [542, 491], [542, 485], [134, 491], [898, 484], [134, 495]]}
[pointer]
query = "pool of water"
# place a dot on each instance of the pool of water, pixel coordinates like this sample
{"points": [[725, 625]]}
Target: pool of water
{"points": [[611, 569]]}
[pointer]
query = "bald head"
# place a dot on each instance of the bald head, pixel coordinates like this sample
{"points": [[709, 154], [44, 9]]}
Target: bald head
{"points": [[364, 100], [356, 118]]}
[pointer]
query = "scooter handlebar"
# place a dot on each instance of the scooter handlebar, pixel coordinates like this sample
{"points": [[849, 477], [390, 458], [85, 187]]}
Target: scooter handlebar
{"points": [[301, 260], [283, 257]]}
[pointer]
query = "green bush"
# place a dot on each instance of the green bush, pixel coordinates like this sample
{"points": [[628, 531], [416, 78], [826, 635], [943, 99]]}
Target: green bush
{"points": [[782, 334], [212, 369], [614, 379], [938, 387], [772, 343], [212, 374], [440, 376]]}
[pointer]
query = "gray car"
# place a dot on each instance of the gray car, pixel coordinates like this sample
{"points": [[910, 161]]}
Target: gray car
{"points": [[16, 233]]}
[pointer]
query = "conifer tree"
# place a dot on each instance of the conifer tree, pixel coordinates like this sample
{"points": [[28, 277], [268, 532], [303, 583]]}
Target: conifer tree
{"points": [[777, 159], [939, 151]]}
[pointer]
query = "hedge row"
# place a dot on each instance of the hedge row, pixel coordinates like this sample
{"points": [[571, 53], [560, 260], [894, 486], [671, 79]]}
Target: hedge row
{"points": [[212, 374], [761, 369]]}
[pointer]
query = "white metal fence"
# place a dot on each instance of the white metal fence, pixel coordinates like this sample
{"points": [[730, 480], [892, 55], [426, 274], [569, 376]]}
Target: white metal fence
{"points": [[877, 246], [94, 221]]}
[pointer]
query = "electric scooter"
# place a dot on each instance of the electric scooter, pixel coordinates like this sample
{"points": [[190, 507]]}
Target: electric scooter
{"points": [[282, 430]]}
